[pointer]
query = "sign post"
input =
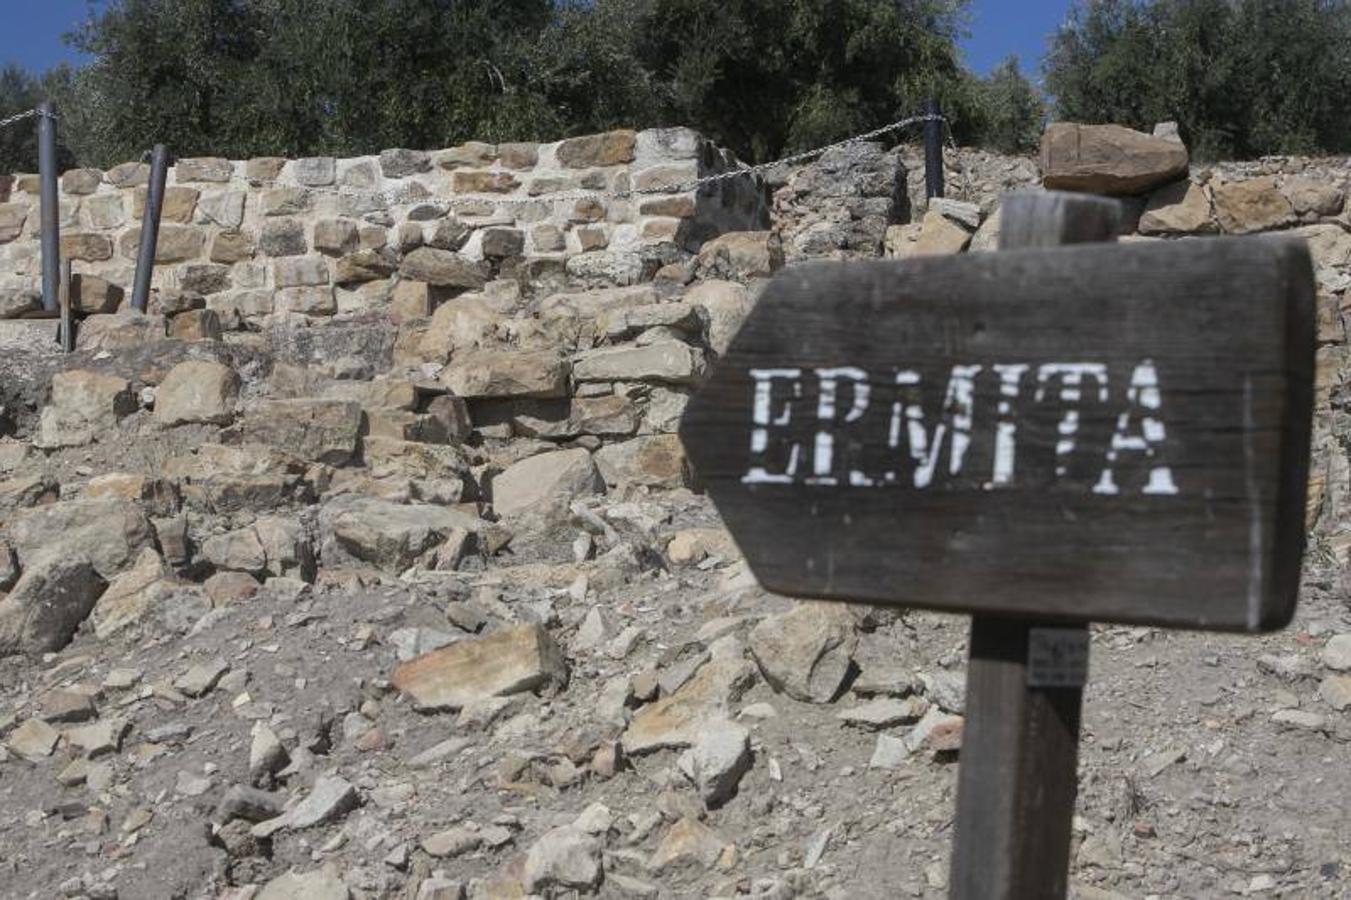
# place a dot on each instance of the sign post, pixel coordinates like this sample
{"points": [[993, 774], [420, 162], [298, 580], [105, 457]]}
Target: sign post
{"points": [[1042, 437], [1024, 682]]}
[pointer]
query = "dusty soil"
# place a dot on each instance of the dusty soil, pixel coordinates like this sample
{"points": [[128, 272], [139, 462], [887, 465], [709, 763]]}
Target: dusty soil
{"points": [[1188, 786]]}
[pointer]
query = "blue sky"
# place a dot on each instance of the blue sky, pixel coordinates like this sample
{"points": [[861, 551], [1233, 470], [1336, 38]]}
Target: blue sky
{"points": [[31, 35], [1001, 27], [33, 28]]}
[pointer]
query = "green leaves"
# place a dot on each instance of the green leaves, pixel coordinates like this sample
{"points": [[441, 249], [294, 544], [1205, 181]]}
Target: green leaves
{"points": [[1242, 78]]}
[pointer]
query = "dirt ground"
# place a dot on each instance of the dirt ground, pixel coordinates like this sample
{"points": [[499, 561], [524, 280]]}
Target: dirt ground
{"points": [[1192, 782]]}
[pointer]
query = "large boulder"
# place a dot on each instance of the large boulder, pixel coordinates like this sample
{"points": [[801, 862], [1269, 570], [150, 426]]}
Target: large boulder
{"points": [[197, 391], [504, 662], [542, 481], [109, 533], [1312, 197], [937, 235], [1108, 159], [48, 603], [320, 884], [563, 859], [123, 330], [83, 406], [1328, 244]]}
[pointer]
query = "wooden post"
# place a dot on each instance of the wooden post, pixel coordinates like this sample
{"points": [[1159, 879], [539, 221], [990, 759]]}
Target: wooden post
{"points": [[67, 313], [1024, 687]]}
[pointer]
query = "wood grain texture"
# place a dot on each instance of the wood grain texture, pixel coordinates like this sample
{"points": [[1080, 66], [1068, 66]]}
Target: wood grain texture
{"points": [[1228, 325], [1020, 754], [1018, 780]]}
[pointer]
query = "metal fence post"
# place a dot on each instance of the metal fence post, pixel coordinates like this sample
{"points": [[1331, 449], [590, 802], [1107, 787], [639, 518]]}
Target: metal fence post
{"points": [[933, 150], [154, 204], [49, 208]]}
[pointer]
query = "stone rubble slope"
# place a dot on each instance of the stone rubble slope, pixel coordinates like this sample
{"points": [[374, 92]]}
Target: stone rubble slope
{"points": [[376, 569]]}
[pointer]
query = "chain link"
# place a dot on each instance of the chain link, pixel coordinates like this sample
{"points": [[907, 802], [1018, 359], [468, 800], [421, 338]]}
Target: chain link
{"points": [[27, 114], [409, 196]]}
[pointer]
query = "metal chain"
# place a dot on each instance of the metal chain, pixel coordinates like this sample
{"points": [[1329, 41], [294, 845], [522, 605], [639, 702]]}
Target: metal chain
{"points": [[809, 154], [405, 196], [27, 114]]}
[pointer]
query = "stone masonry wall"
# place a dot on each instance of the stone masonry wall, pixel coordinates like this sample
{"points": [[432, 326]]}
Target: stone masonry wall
{"points": [[319, 236]]}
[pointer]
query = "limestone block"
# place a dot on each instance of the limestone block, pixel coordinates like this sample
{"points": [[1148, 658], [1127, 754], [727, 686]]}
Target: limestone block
{"points": [[442, 268], [507, 661], [283, 237], [402, 163], [315, 171], [50, 600], [609, 149], [1179, 208], [666, 361], [335, 236], [128, 174], [547, 480], [741, 255], [1253, 205], [197, 391], [208, 168], [83, 406], [1108, 159], [474, 182], [507, 373], [86, 246]]}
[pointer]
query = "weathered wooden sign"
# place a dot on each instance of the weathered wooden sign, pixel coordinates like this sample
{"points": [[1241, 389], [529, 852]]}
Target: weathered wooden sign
{"points": [[1114, 433]]}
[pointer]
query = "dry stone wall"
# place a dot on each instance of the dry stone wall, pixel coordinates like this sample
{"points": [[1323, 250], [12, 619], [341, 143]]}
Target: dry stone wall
{"points": [[320, 236]]}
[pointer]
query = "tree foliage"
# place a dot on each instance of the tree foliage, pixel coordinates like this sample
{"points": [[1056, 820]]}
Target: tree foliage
{"points": [[1241, 77], [1013, 113], [243, 78]]}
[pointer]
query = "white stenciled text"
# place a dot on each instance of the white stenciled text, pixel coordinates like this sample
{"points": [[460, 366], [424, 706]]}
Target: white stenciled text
{"points": [[1077, 424]]}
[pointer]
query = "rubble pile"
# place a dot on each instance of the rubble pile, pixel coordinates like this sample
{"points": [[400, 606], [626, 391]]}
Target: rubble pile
{"points": [[367, 562]]}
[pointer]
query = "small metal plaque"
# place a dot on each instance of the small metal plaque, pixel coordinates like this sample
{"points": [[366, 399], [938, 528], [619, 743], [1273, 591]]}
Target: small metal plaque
{"points": [[1057, 657]]}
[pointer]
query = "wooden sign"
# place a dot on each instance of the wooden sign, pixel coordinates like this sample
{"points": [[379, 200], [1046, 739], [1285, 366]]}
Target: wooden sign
{"points": [[1114, 433]]}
